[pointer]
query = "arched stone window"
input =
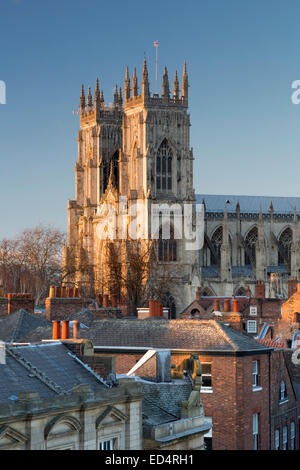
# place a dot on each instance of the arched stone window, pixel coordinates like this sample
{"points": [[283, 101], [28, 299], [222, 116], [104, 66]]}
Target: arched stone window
{"points": [[216, 241], [284, 251], [115, 169], [105, 175], [250, 242], [167, 248], [241, 292], [164, 162]]}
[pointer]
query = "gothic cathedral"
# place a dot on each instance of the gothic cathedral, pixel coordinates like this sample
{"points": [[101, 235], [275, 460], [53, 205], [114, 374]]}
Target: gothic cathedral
{"points": [[133, 153]]}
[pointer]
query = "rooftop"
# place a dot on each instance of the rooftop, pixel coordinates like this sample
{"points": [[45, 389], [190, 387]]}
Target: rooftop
{"points": [[249, 204]]}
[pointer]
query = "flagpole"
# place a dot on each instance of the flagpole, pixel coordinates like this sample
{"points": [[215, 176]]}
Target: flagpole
{"points": [[156, 47], [156, 70]]}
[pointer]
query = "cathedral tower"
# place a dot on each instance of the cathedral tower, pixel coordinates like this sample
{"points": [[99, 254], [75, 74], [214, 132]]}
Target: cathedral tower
{"points": [[134, 152]]}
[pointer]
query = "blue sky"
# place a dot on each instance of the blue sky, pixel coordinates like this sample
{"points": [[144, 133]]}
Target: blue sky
{"points": [[242, 58]]}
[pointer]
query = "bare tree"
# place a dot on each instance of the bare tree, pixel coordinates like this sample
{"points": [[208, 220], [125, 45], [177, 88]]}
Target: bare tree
{"points": [[133, 273], [32, 261]]}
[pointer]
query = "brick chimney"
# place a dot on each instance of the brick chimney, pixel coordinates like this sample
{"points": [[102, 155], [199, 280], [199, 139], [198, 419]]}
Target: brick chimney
{"points": [[105, 300], [114, 300], [260, 290], [56, 330], [17, 301], [76, 329], [65, 329], [198, 293], [292, 286]]}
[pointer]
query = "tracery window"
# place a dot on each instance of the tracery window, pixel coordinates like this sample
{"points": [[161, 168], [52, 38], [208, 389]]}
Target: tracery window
{"points": [[115, 169], [285, 242], [216, 240], [164, 167], [250, 242], [167, 247]]}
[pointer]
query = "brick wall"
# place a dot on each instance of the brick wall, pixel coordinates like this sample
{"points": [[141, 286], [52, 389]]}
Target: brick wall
{"points": [[285, 412], [233, 402], [17, 301], [60, 308], [3, 307]]}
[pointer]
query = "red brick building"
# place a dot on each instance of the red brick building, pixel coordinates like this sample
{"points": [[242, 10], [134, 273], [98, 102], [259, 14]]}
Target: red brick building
{"points": [[241, 377]]}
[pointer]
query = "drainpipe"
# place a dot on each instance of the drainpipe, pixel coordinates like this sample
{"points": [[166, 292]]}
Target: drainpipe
{"points": [[270, 421]]}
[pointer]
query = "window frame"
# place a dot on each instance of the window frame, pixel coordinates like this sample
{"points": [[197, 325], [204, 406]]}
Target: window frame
{"points": [[209, 388], [255, 430], [283, 397], [293, 435], [252, 322], [277, 439], [111, 442], [285, 433], [256, 385]]}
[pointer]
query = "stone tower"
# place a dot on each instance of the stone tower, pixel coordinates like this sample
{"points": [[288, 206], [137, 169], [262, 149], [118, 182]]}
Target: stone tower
{"points": [[133, 153]]}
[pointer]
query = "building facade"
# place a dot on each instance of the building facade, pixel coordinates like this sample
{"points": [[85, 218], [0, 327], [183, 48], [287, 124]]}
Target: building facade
{"points": [[131, 157]]}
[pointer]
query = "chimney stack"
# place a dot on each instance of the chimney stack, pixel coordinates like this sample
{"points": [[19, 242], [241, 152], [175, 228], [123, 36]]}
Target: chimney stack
{"points": [[76, 329], [65, 330], [226, 305], [260, 290], [198, 293], [56, 330]]}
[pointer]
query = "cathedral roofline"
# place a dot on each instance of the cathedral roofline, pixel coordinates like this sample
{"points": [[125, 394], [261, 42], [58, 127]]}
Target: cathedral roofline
{"points": [[249, 204]]}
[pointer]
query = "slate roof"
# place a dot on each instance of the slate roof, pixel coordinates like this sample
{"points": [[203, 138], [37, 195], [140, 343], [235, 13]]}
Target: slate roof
{"points": [[208, 335], [61, 372], [167, 396], [158, 333], [153, 414], [249, 204], [13, 327]]}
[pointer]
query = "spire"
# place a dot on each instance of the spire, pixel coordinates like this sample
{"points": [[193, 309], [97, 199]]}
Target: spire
{"points": [[271, 210], [295, 215], [82, 99], [101, 98], [176, 87], [120, 97], [185, 84], [260, 234], [89, 99], [145, 81], [127, 85], [116, 96], [237, 208], [134, 84], [97, 94], [165, 87], [111, 179]]}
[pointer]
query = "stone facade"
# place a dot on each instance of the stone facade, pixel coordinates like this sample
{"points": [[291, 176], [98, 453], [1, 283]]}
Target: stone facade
{"points": [[136, 153], [249, 239], [59, 403]]}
